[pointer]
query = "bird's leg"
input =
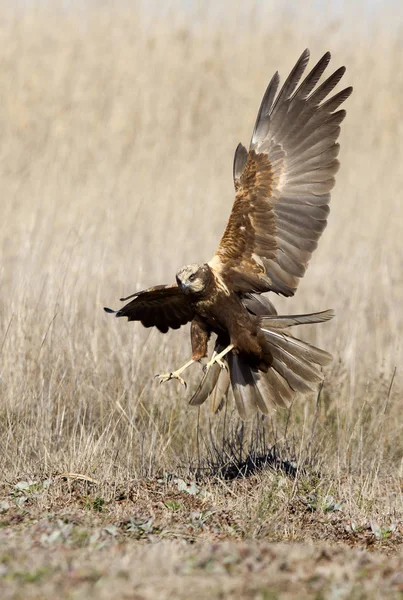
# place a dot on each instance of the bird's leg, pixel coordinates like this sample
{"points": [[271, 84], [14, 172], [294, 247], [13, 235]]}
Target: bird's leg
{"points": [[217, 359], [176, 374]]}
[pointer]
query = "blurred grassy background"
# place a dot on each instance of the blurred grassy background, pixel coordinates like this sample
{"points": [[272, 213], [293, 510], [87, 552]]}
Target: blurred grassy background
{"points": [[119, 123]]}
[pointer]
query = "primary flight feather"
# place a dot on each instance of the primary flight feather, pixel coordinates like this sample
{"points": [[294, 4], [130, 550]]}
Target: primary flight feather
{"points": [[282, 187]]}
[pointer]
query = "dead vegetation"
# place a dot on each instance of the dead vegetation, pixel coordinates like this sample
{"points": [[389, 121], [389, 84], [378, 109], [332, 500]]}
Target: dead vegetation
{"points": [[118, 130], [220, 537]]}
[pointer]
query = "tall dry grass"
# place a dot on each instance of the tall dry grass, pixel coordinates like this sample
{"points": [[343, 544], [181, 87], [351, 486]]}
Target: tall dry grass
{"points": [[118, 126]]}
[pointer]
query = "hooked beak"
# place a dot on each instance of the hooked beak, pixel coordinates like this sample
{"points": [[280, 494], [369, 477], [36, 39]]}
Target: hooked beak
{"points": [[185, 287]]}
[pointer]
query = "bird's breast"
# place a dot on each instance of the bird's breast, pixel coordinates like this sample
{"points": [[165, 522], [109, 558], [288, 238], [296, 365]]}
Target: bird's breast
{"points": [[220, 311]]}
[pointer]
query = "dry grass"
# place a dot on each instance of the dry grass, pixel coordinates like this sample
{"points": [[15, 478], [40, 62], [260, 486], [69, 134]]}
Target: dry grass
{"points": [[118, 128]]}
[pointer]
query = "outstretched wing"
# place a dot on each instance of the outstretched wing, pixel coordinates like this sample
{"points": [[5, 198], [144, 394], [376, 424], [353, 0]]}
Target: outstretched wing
{"points": [[162, 306], [283, 184]]}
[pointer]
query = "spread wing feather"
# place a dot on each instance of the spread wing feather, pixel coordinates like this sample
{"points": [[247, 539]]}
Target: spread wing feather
{"points": [[283, 183], [162, 306], [240, 158]]}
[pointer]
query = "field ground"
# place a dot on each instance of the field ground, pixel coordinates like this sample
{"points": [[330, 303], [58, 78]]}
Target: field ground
{"points": [[118, 130], [267, 536]]}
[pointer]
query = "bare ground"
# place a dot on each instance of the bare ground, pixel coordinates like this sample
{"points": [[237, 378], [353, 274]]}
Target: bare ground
{"points": [[267, 536]]}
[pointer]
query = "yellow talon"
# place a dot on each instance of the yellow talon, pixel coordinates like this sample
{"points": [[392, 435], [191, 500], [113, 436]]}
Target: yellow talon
{"points": [[168, 376], [211, 362], [216, 358]]}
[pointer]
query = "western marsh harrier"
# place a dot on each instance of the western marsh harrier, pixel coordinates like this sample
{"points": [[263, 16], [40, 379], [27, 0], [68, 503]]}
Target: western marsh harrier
{"points": [[282, 187]]}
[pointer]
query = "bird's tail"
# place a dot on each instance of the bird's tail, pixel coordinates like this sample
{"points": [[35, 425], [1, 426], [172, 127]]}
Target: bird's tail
{"points": [[295, 368]]}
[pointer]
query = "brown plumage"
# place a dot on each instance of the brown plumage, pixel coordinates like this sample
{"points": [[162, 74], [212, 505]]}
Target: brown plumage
{"points": [[280, 211]]}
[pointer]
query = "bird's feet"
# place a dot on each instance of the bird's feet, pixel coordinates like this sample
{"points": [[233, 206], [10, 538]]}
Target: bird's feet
{"points": [[211, 362], [168, 376]]}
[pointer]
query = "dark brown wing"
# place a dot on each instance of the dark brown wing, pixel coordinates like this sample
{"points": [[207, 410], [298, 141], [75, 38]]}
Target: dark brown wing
{"points": [[162, 306], [283, 184], [258, 305]]}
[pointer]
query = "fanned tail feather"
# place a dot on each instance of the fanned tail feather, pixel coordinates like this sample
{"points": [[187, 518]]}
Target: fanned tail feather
{"points": [[282, 322], [243, 385], [213, 385], [295, 368], [220, 391], [208, 382]]}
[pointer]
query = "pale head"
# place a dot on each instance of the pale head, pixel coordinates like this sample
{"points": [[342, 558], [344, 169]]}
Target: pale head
{"points": [[193, 279]]}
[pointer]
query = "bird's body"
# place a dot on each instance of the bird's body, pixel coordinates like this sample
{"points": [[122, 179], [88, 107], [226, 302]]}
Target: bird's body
{"points": [[280, 210], [219, 310]]}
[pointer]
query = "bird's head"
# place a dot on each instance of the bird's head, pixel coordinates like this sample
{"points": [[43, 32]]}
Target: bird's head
{"points": [[193, 279]]}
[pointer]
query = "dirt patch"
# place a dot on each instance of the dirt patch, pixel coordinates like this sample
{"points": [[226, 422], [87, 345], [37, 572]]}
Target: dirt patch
{"points": [[157, 537]]}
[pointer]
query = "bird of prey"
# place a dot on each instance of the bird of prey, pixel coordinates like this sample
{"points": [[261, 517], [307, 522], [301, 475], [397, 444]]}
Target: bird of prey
{"points": [[282, 193]]}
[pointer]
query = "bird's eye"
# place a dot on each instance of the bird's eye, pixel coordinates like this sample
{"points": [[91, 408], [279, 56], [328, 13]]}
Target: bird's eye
{"points": [[192, 277]]}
